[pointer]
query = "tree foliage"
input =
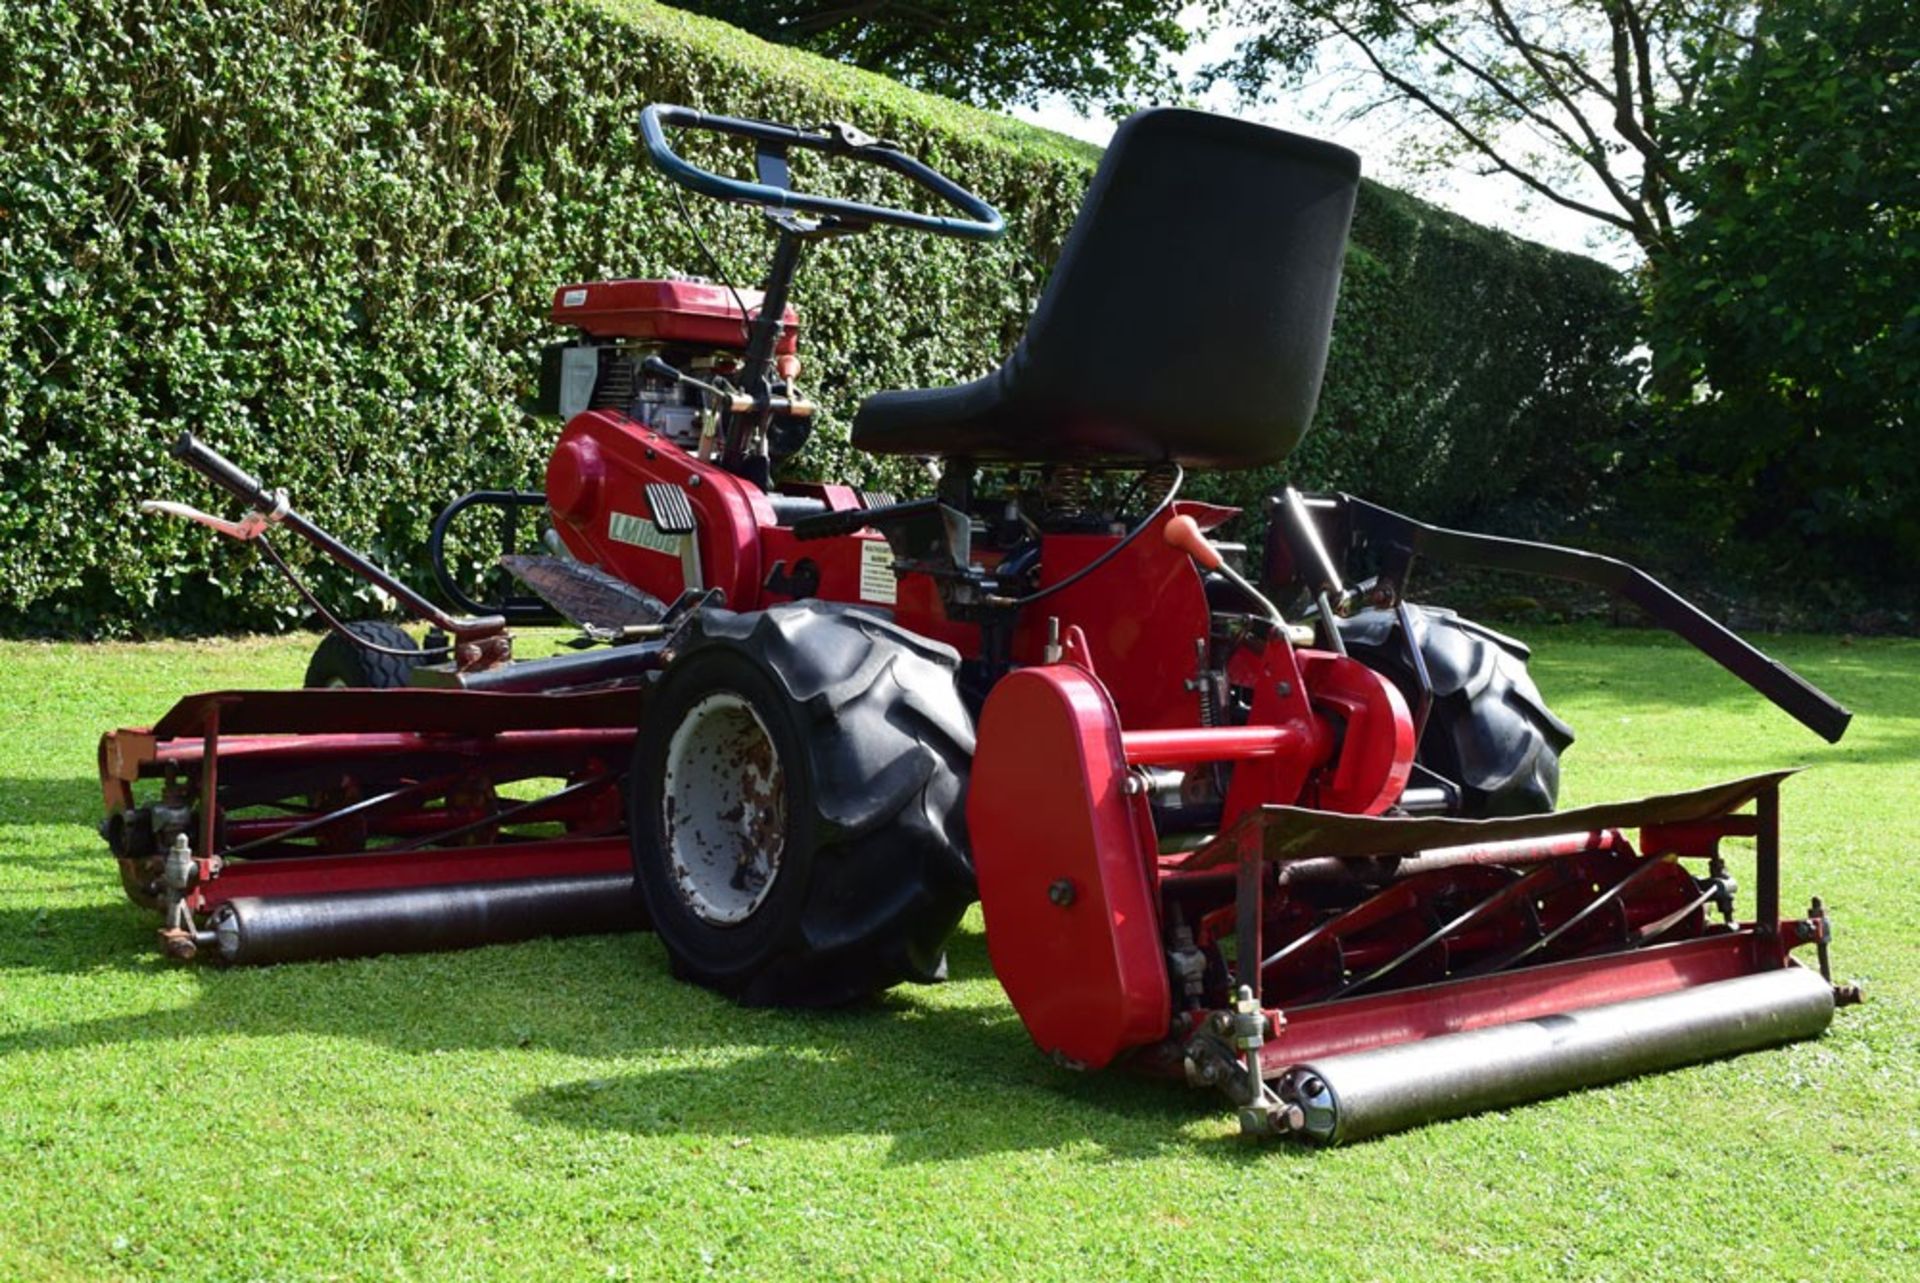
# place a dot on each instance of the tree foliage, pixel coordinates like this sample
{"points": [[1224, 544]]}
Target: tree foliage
{"points": [[1764, 158], [995, 53], [1570, 98], [1789, 304]]}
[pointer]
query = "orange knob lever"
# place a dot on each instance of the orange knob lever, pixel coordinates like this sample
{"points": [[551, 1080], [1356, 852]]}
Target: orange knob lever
{"points": [[1183, 532]]}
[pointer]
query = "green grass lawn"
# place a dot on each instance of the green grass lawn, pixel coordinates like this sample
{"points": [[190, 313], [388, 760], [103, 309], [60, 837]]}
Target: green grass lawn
{"points": [[565, 1110]]}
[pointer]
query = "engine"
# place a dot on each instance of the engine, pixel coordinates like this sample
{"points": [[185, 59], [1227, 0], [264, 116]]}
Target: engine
{"points": [[694, 326]]}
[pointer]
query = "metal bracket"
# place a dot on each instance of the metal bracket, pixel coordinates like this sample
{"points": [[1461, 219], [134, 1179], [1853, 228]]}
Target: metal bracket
{"points": [[251, 526]]}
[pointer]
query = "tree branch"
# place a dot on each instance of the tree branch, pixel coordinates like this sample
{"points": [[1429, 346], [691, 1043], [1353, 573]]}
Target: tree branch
{"points": [[1502, 91], [1596, 152], [1625, 121], [1473, 139], [1652, 188]]}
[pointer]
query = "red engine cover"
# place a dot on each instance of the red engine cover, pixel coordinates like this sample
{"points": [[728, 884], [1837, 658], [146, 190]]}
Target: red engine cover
{"points": [[693, 312]]}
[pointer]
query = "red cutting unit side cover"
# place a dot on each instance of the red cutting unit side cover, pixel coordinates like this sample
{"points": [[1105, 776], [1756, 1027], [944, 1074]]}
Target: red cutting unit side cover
{"points": [[697, 313], [1066, 858]]}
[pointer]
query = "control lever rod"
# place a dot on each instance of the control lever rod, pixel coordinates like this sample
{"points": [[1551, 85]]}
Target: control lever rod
{"points": [[271, 508]]}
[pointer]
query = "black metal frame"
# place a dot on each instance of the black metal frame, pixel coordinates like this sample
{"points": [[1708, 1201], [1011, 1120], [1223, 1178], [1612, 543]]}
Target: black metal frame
{"points": [[526, 609], [1397, 541]]}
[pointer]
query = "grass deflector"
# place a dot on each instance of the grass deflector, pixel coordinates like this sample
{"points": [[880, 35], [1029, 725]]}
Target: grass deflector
{"points": [[1241, 813]]}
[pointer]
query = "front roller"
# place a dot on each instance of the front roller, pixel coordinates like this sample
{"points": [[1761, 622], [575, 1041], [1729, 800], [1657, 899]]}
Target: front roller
{"points": [[1347, 1098]]}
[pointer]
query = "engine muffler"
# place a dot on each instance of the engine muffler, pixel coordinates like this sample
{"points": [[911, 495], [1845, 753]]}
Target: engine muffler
{"points": [[1356, 1095], [257, 930]]}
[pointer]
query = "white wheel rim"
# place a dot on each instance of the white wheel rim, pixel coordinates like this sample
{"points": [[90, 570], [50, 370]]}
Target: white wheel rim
{"points": [[723, 809]]}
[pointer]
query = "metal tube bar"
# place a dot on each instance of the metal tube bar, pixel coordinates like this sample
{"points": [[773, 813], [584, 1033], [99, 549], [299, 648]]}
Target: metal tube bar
{"points": [[1189, 746], [300, 829], [589, 668], [211, 464], [1250, 903], [210, 782], [1766, 880], [1517, 851]]}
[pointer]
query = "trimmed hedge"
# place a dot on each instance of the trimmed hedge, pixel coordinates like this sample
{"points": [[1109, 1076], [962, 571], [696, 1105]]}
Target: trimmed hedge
{"points": [[323, 236]]}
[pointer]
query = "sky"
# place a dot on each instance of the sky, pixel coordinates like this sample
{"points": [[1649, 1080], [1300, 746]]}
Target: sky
{"points": [[1495, 200]]}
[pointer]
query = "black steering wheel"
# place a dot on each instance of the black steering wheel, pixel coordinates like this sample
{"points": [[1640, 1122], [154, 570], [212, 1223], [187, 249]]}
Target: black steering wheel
{"points": [[982, 221]]}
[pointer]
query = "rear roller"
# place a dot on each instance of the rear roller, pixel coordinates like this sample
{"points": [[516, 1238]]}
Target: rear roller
{"points": [[796, 800], [250, 931]]}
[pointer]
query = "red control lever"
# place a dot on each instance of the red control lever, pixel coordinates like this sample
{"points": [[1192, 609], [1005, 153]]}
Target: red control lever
{"points": [[1183, 532]]}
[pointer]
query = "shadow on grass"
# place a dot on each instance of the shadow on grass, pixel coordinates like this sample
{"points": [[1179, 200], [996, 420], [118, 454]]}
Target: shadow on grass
{"points": [[38, 800], [939, 1074], [936, 1081], [777, 1092], [75, 939]]}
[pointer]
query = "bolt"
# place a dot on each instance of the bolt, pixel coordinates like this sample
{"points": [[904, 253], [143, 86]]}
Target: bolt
{"points": [[1283, 689], [1062, 892]]}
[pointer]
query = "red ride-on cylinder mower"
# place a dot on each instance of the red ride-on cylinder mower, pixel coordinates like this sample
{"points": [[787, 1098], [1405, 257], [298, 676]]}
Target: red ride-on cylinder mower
{"points": [[1242, 814]]}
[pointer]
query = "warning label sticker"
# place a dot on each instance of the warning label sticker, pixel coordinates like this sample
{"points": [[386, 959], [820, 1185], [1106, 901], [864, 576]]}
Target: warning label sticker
{"points": [[877, 583]]}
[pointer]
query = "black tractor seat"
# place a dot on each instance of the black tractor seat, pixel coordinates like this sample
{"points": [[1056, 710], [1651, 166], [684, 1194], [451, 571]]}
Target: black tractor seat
{"points": [[1187, 319]]}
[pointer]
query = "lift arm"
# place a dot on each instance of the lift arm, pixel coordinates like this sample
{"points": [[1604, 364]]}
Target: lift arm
{"points": [[1399, 540]]}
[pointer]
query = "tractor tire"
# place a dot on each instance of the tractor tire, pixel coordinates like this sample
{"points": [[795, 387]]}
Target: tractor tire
{"points": [[338, 662], [1489, 731], [797, 805]]}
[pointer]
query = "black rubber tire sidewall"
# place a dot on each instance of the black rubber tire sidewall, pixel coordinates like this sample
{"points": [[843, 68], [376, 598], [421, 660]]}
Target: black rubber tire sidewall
{"points": [[1489, 731], [723, 957], [337, 661], [876, 743]]}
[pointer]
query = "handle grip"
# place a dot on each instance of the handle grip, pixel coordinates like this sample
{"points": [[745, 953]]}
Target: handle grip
{"points": [[223, 472], [1183, 532]]}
